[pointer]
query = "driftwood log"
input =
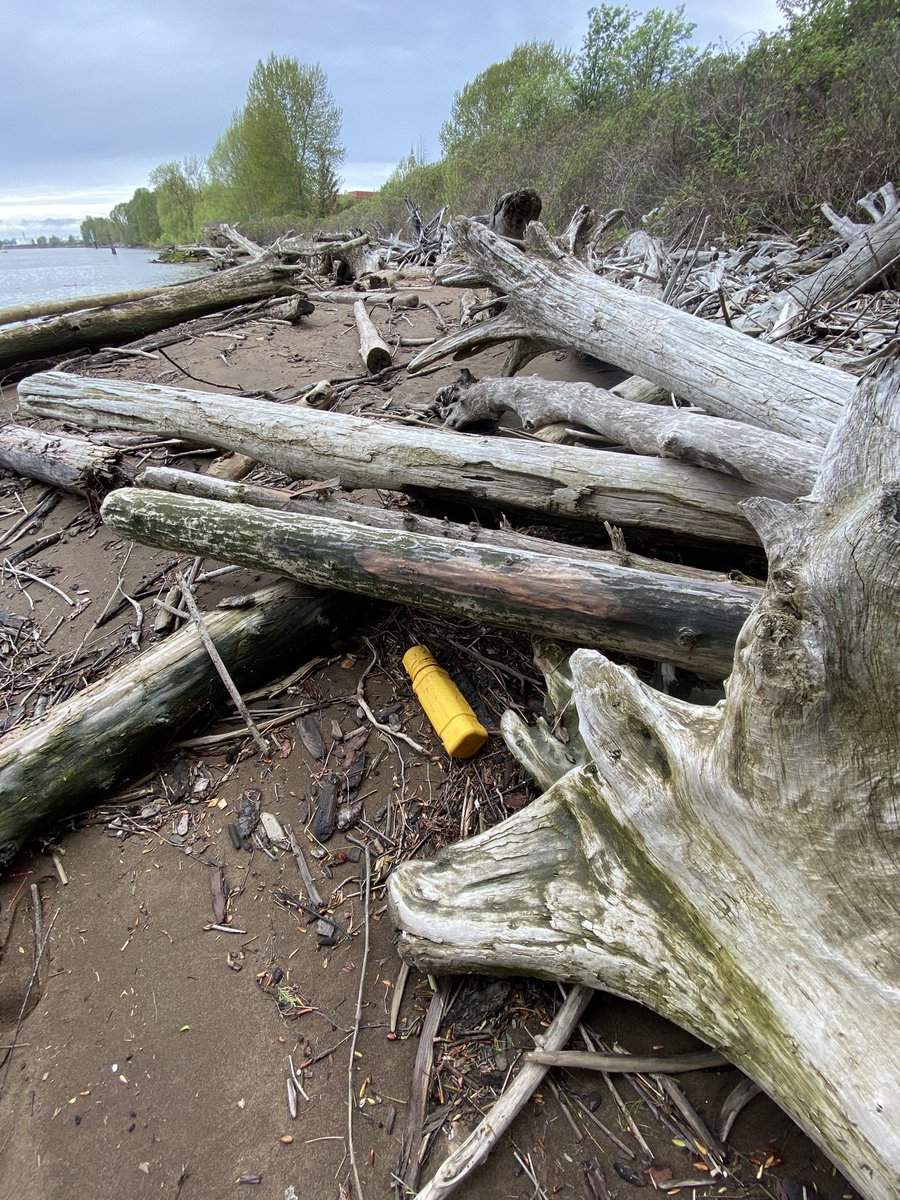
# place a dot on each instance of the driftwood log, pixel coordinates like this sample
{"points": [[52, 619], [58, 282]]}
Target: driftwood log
{"points": [[776, 465], [61, 764], [72, 464], [121, 322], [323, 503], [373, 350], [686, 622], [55, 308], [578, 484], [872, 249], [734, 868], [553, 299]]}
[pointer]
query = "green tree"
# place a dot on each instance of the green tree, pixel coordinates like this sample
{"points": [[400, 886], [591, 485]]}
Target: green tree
{"points": [[120, 221], [177, 188], [622, 56], [143, 217], [281, 152], [509, 97]]}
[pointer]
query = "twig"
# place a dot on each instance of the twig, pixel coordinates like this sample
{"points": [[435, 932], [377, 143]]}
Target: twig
{"points": [[20, 574], [478, 1145], [351, 1093], [311, 890], [217, 662], [413, 1127], [370, 716], [630, 1064], [397, 999]]}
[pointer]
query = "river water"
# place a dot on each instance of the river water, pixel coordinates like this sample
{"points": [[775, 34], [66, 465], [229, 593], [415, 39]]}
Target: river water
{"points": [[59, 273]]}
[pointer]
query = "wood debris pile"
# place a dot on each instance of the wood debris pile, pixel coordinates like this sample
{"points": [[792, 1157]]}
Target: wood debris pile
{"points": [[692, 858]]}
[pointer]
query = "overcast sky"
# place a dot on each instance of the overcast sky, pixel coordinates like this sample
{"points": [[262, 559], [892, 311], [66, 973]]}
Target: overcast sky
{"points": [[98, 92]]}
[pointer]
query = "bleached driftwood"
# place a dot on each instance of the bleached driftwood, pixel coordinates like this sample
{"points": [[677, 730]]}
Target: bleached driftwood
{"points": [[872, 249], [687, 622], [776, 465], [579, 484], [373, 350], [552, 298], [735, 868], [71, 463], [63, 762]]}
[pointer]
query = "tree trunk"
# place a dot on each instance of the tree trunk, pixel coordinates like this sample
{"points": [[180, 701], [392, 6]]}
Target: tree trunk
{"points": [[735, 868], [221, 487], [110, 326], [374, 352], [686, 622], [63, 763], [54, 308], [583, 485], [553, 298], [71, 463], [776, 465]]}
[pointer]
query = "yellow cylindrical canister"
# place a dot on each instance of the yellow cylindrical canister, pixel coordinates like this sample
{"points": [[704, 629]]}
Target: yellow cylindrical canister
{"points": [[445, 706]]}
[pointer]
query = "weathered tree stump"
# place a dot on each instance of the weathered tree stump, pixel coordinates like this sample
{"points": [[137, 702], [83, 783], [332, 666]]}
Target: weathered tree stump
{"points": [[734, 868]]}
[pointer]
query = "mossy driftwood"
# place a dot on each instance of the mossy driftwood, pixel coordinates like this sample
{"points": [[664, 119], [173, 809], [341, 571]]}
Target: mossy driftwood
{"points": [[62, 763], [680, 620], [122, 322], [734, 868]]}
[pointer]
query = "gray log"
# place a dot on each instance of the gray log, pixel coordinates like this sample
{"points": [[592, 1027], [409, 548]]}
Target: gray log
{"points": [[109, 326], [637, 612], [72, 464], [552, 297], [774, 464], [225, 489], [374, 352], [579, 484]]}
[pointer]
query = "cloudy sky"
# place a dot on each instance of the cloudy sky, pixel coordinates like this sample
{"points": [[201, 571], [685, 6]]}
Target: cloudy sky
{"points": [[95, 93]]}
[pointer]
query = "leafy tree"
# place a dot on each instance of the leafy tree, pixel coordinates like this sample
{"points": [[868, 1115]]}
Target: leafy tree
{"points": [[509, 97], [622, 56], [143, 217], [177, 187], [281, 152]]}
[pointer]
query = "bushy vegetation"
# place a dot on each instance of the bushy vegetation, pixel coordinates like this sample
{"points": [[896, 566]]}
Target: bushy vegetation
{"points": [[639, 117]]}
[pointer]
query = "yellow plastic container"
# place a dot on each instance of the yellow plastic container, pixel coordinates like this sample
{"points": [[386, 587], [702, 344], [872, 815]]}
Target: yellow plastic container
{"points": [[445, 706]]}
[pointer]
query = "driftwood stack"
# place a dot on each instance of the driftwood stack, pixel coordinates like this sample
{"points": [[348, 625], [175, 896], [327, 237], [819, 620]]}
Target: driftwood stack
{"points": [[734, 867]]}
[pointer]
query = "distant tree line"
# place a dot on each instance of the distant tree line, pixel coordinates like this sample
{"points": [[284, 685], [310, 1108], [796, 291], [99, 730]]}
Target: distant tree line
{"points": [[639, 117]]}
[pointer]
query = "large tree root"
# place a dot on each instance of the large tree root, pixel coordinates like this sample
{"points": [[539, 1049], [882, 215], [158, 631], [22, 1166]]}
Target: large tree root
{"points": [[734, 868]]}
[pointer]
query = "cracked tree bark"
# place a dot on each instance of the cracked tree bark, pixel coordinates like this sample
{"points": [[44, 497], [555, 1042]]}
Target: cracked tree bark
{"points": [[734, 868]]}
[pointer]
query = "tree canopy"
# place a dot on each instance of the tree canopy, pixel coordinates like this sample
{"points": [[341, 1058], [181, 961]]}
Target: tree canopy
{"points": [[280, 153], [622, 55], [509, 96]]}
